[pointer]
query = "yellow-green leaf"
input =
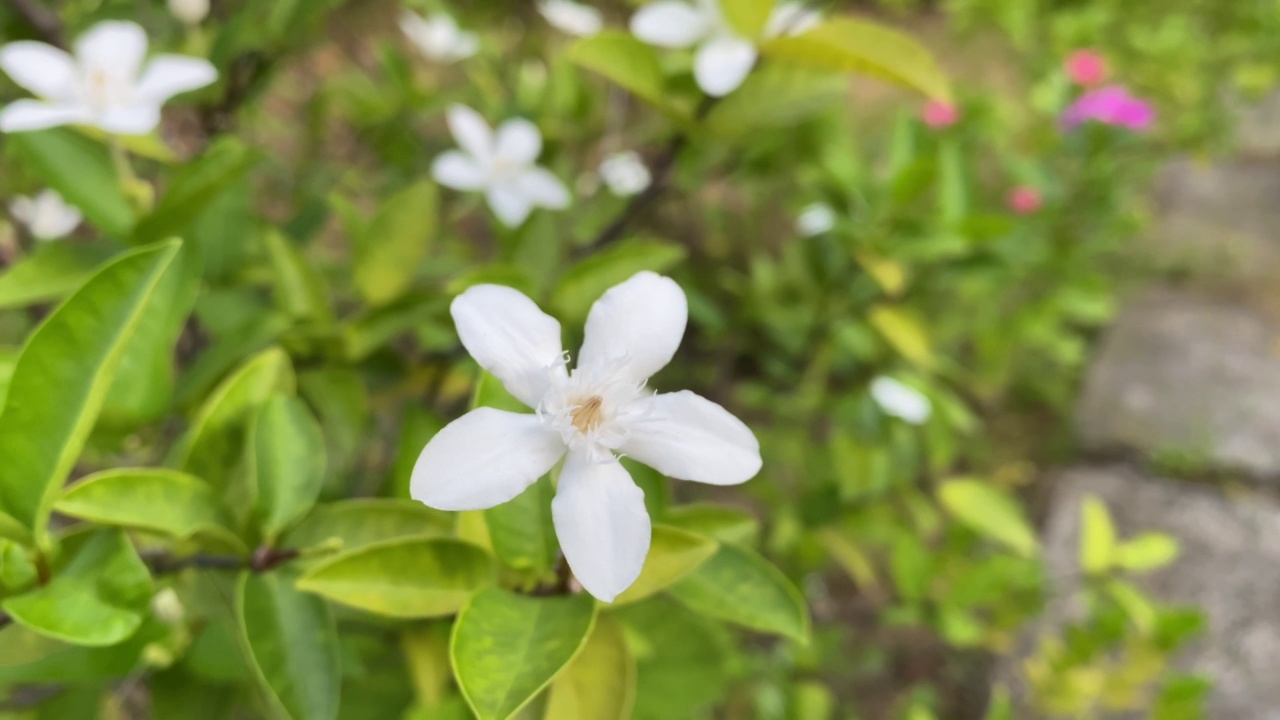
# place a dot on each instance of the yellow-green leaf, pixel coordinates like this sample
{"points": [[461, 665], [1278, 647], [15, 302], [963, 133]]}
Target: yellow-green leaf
{"points": [[989, 511], [155, 499], [904, 332], [673, 554], [600, 683], [626, 61], [741, 587], [1097, 535]]}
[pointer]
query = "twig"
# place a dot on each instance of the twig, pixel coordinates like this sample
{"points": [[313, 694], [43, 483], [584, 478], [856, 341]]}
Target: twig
{"points": [[5, 620], [43, 20], [162, 562]]}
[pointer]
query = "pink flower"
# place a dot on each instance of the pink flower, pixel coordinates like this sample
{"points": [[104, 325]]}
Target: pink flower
{"points": [[1025, 200], [1110, 105], [1086, 67], [938, 114]]}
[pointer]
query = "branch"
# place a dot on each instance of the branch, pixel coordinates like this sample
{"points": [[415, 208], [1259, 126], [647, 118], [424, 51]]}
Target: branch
{"points": [[162, 562], [5, 620], [43, 20]]}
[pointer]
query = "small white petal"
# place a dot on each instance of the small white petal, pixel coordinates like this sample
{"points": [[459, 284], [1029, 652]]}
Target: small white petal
{"points": [[509, 203], [543, 189], [116, 47], [722, 63], [601, 522], [22, 208], [640, 320], [130, 120], [688, 437], [189, 12], [510, 337], [518, 142], [625, 174], [27, 115], [459, 171], [438, 37], [571, 17], [50, 217], [901, 400], [791, 18], [471, 131], [816, 219], [671, 23], [169, 75], [43, 69], [483, 459]]}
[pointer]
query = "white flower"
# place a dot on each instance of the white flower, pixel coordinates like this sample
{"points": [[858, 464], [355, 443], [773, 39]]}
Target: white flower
{"points": [[625, 174], [438, 37], [900, 400], [571, 18], [47, 216], [816, 219], [189, 12], [105, 85], [502, 164], [588, 416], [724, 58]]}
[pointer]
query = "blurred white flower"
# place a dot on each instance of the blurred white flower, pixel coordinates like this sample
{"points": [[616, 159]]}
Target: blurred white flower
{"points": [[816, 219], [47, 216], [625, 174], [501, 164], [571, 18], [167, 608], [104, 85], [900, 400], [189, 12], [723, 58], [587, 416], [438, 37]]}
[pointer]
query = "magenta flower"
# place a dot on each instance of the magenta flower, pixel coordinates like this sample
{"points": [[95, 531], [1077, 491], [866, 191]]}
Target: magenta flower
{"points": [[1111, 105], [938, 114], [1025, 200], [1086, 67]]}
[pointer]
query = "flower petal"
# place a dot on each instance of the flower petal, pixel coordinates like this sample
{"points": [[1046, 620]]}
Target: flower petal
{"points": [[471, 131], [43, 69], [901, 400], [571, 17], [640, 320], [543, 188], [510, 337], [132, 120], [602, 524], [518, 142], [25, 115], [117, 47], [169, 75], [670, 23], [791, 18], [722, 64], [459, 171], [688, 437], [483, 459], [509, 203]]}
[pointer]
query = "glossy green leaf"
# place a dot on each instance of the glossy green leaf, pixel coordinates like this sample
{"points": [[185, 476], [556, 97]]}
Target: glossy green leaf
{"points": [[777, 95], [390, 251], [681, 659], [194, 187], [30, 657], [600, 683], [416, 577], [51, 271], [987, 510], [904, 331], [762, 597], [626, 61], [506, 648], [490, 392], [17, 570], [62, 377], [726, 524], [585, 282], [291, 643], [1097, 536], [299, 289], [156, 499], [1147, 551], [748, 17], [287, 463], [82, 172], [364, 521], [98, 598], [521, 530], [867, 48], [673, 554]]}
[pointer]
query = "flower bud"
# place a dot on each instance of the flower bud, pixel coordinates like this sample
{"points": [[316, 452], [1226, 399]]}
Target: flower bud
{"points": [[189, 12]]}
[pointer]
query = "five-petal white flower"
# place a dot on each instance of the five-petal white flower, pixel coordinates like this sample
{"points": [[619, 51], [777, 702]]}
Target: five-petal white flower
{"points": [[625, 174], [502, 164], [47, 216], [438, 37], [724, 57], [104, 85], [587, 416], [901, 400], [571, 18]]}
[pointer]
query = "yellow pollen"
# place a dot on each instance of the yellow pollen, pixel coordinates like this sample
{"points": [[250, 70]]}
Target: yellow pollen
{"points": [[587, 415]]}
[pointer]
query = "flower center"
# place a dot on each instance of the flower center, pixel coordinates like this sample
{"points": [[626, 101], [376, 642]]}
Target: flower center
{"points": [[587, 415]]}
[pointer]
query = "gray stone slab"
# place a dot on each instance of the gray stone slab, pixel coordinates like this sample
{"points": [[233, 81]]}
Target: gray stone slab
{"points": [[1180, 374], [1258, 126], [1228, 567]]}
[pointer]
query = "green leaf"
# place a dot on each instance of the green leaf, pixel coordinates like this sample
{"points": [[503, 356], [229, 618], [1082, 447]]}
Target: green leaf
{"points": [[1134, 603], [62, 377], [868, 48], [776, 95], [51, 271], [364, 521], [30, 657], [155, 499], [521, 530], [97, 599], [762, 598], [1147, 551], [991, 512], [904, 332], [1097, 536], [626, 61], [82, 172], [681, 659], [195, 186], [388, 254], [673, 554], [600, 683], [291, 643], [585, 282], [287, 462], [748, 17], [506, 648], [728, 525], [299, 289], [416, 577]]}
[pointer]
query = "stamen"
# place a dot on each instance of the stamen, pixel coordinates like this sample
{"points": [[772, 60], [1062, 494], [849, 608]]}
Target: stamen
{"points": [[587, 415]]}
